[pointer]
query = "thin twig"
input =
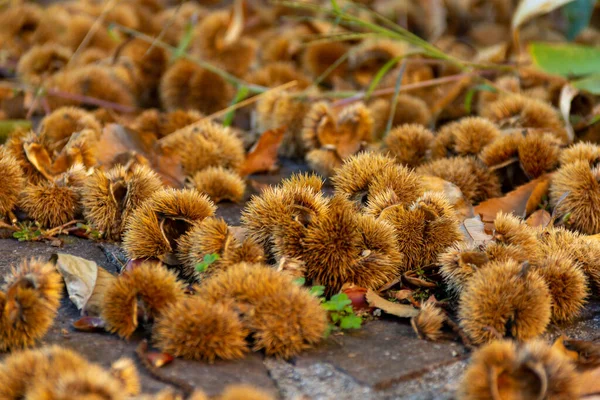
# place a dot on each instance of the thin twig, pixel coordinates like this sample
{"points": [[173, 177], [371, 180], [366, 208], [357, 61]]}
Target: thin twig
{"points": [[97, 23], [397, 88], [354, 96], [246, 102], [91, 100], [4, 225], [461, 334], [208, 66], [142, 353], [50, 233], [165, 28]]}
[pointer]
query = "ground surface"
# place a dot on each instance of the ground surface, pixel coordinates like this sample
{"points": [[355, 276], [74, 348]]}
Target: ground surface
{"points": [[383, 360]]}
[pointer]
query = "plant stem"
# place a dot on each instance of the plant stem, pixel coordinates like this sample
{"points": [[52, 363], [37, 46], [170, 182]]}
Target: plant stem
{"points": [[4, 225], [208, 66], [57, 230], [351, 97], [97, 23], [91, 100]]}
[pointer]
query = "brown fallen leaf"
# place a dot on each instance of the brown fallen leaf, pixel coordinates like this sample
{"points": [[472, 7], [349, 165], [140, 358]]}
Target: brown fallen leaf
{"points": [[79, 275], [404, 294], [459, 202], [567, 94], [412, 279], [474, 231], [540, 218], [537, 196], [158, 359], [93, 307], [263, 155], [38, 157], [121, 145], [236, 26], [513, 202], [89, 324], [397, 309], [292, 266]]}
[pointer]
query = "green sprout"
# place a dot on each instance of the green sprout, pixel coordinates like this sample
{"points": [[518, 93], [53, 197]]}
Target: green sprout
{"points": [[206, 262]]}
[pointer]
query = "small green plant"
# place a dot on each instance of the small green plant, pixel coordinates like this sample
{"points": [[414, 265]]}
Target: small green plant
{"points": [[339, 307], [89, 231], [341, 312], [206, 262], [28, 231]]}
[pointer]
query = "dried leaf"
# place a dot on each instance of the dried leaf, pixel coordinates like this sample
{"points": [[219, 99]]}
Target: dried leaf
{"points": [[168, 166], [514, 202], [540, 218], [399, 310], [39, 158], [411, 279], [263, 155], [532, 8], [474, 230], [159, 359], [404, 294], [94, 303], [292, 266], [79, 275], [121, 145], [567, 94], [117, 140], [459, 202], [235, 28], [89, 324], [538, 195]]}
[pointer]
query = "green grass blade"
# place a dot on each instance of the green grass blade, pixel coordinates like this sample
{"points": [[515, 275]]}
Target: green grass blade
{"points": [[240, 95]]}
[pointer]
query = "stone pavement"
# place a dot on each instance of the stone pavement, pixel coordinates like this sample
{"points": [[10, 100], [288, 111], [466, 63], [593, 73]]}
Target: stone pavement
{"points": [[383, 360]]}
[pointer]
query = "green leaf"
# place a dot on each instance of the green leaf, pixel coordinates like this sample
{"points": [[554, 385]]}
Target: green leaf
{"points": [[351, 322], [206, 262], [565, 59], [471, 93], [578, 14], [211, 258], [240, 95], [380, 74], [589, 84], [335, 317], [300, 281], [317, 291], [339, 301]]}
